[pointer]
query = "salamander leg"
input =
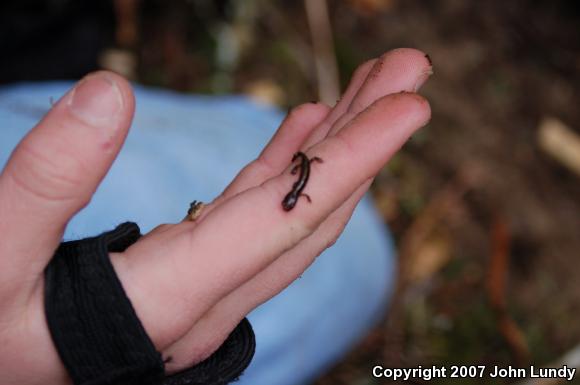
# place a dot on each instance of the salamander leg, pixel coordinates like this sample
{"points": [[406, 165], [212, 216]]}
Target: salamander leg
{"points": [[307, 197], [316, 159]]}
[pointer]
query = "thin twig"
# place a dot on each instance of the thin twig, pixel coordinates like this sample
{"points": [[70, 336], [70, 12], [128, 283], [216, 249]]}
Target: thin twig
{"points": [[324, 56], [496, 289]]}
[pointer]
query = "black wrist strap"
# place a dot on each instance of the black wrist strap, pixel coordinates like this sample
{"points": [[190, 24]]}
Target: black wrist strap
{"points": [[97, 332], [223, 366]]}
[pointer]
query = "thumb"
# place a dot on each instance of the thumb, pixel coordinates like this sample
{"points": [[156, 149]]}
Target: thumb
{"points": [[55, 170]]}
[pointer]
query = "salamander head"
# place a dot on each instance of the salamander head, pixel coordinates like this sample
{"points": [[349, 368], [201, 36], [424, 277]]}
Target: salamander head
{"points": [[289, 201]]}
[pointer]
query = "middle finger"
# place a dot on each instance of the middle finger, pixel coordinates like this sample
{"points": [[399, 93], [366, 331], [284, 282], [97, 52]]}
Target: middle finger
{"points": [[398, 70]]}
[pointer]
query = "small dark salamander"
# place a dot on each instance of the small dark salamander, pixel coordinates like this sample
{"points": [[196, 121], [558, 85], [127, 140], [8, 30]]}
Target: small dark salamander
{"points": [[194, 211], [291, 198]]}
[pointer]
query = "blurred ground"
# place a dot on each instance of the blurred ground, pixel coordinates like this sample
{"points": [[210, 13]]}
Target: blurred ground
{"points": [[488, 225]]}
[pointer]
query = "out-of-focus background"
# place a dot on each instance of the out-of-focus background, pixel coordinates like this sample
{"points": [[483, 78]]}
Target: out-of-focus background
{"points": [[484, 202]]}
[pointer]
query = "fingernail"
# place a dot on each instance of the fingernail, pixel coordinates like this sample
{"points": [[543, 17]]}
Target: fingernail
{"points": [[96, 100], [422, 79]]}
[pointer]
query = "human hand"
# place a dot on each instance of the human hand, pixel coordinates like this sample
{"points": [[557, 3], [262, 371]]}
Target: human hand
{"points": [[191, 283]]}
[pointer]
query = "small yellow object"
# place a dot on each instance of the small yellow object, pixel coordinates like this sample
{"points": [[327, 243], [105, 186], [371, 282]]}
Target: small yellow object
{"points": [[195, 209]]}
